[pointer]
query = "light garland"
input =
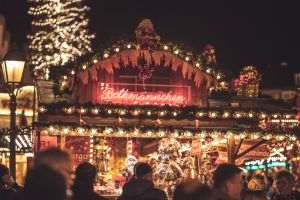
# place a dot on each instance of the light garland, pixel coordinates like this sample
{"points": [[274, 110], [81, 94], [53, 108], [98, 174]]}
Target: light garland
{"points": [[171, 112], [91, 149], [60, 33], [167, 47], [143, 132]]}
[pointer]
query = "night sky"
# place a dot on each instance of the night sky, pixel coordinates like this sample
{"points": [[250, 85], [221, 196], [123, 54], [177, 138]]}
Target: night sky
{"points": [[258, 32]]}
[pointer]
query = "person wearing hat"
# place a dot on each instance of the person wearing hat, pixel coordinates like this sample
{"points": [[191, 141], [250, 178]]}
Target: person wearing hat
{"points": [[141, 186]]}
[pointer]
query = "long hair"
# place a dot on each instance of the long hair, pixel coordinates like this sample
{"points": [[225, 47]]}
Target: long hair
{"points": [[84, 181]]}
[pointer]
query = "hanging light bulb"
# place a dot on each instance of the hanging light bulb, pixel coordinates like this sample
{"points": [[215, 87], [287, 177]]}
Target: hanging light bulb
{"points": [[95, 111], [122, 112], [106, 55], [136, 112], [162, 113], [226, 114], [175, 113]]}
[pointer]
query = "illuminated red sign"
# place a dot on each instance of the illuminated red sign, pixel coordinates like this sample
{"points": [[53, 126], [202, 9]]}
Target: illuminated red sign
{"points": [[125, 96]]}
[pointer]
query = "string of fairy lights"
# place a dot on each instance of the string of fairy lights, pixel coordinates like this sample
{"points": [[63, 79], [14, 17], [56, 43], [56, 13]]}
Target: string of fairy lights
{"points": [[152, 132], [60, 34], [191, 113], [196, 60], [60, 37]]}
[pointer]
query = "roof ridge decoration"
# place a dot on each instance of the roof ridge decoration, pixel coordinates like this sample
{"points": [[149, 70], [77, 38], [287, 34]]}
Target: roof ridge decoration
{"points": [[151, 50], [146, 35]]}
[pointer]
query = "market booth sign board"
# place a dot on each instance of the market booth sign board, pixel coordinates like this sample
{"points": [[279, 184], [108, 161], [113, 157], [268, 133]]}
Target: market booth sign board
{"points": [[273, 161]]}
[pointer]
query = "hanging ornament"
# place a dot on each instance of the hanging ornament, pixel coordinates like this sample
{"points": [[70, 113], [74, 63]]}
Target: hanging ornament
{"points": [[145, 69]]}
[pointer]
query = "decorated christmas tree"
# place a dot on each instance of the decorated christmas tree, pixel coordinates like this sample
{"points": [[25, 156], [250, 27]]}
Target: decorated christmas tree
{"points": [[59, 33]]}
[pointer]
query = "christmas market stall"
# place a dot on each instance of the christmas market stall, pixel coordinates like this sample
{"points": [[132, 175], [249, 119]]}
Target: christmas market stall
{"points": [[153, 101]]}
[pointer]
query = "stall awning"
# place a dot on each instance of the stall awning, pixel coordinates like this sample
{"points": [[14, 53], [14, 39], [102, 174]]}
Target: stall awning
{"points": [[23, 140]]}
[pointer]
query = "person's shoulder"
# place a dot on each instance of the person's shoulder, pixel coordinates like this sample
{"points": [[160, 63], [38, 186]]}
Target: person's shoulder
{"points": [[297, 195], [160, 193]]}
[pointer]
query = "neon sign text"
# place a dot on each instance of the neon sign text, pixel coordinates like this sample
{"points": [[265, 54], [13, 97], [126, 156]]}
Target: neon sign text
{"points": [[124, 96], [276, 159]]}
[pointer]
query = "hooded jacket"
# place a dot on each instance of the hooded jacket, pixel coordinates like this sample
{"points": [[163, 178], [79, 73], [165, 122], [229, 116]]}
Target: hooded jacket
{"points": [[140, 189]]}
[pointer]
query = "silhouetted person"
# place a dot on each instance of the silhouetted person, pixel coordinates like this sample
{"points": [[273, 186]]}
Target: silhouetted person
{"points": [[227, 182], [192, 190], [284, 182], [57, 159], [141, 186], [83, 188], [44, 183], [8, 188]]}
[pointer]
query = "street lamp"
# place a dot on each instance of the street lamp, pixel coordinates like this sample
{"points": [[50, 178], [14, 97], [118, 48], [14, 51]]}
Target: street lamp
{"points": [[12, 72]]}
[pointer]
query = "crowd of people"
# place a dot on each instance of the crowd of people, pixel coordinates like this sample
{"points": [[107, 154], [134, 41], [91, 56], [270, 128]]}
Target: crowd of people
{"points": [[52, 178]]}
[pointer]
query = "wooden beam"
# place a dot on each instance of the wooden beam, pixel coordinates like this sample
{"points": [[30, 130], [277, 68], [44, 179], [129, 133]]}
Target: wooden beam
{"points": [[231, 149], [238, 148], [251, 148]]}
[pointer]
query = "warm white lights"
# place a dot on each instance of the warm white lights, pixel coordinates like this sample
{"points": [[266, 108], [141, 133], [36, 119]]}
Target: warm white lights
{"points": [[60, 34]]}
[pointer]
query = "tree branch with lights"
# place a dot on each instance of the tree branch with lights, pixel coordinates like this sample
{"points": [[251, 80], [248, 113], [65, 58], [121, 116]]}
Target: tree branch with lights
{"points": [[59, 33]]}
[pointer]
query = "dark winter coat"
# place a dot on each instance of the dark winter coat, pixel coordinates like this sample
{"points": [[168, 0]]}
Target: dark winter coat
{"points": [[219, 195], [293, 196], [140, 189], [7, 193]]}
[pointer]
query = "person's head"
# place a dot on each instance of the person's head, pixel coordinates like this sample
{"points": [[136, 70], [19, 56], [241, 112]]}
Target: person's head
{"points": [[58, 160], [284, 182], [228, 179], [85, 174], [254, 195], [192, 190], [45, 183], [4, 174], [143, 171]]}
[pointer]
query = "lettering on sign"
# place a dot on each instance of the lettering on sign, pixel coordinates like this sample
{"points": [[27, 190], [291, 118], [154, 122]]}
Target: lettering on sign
{"points": [[124, 96], [276, 159]]}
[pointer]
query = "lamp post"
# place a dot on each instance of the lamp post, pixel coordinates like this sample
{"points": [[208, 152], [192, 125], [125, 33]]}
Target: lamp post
{"points": [[12, 71]]}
